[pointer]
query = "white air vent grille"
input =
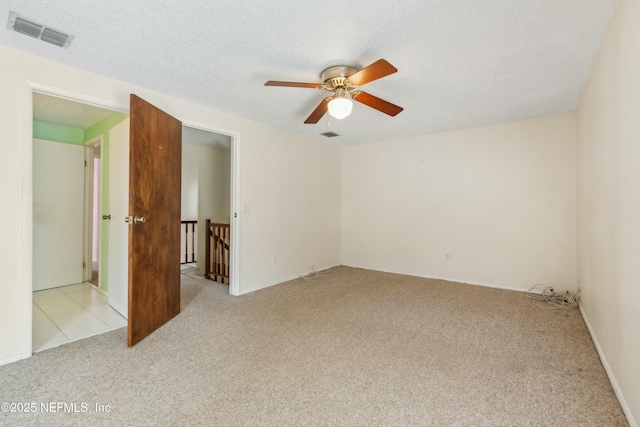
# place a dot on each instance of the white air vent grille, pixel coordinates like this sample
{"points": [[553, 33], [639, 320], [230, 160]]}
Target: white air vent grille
{"points": [[26, 27], [54, 37], [329, 134], [30, 28]]}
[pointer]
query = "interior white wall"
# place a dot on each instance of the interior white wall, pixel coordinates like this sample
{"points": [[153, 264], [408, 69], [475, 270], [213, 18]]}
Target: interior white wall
{"points": [[214, 174], [292, 184], [500, 200], [189, 195], [296, 196], [608, 153], [189, 199]]}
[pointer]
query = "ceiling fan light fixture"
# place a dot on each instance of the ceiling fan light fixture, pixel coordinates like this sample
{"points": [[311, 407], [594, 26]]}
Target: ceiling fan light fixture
{"points": [[340, 106], [345, 82]]}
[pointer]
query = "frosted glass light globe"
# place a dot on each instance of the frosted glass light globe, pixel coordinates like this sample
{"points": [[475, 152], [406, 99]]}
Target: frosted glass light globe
{"points": [[340, 108]]}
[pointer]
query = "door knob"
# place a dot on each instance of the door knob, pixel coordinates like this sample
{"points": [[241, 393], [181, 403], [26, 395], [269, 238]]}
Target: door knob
{"points": [[135, 219]]}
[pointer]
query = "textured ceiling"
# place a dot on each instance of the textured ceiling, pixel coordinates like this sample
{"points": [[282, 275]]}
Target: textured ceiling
{"points": [[58, 111], [191, 136], [461, 63]]}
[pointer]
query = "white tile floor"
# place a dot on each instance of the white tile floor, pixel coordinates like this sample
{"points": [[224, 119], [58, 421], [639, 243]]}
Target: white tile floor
{"points": [[69, 313]]}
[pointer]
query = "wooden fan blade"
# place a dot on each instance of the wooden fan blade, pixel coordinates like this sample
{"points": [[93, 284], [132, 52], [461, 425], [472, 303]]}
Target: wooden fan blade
{"points": [[375, 71], [377, 103], [320, 111], [294, 84]]}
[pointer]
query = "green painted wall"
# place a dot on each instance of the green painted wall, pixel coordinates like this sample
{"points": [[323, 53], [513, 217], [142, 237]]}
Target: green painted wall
{"points": [[58, 133], [102, 128]]}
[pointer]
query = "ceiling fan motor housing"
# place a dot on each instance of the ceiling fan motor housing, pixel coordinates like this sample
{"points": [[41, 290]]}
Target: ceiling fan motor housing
{"points": [[336, 77]]}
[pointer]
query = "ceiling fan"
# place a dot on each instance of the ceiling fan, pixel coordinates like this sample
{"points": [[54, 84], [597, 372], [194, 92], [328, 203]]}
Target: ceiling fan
{"points": [[344, 83]]}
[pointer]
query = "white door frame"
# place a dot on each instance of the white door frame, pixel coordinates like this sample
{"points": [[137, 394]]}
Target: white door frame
{"points": [[28, 88], [89, 153], [234, 279]]}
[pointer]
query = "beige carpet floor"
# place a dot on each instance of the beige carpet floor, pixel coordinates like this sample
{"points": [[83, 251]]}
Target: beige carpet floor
{"points": [[351, 348]]}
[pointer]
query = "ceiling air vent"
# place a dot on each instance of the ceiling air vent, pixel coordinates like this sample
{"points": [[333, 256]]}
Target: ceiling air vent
{"points": [[30, 28], [329, 134]]}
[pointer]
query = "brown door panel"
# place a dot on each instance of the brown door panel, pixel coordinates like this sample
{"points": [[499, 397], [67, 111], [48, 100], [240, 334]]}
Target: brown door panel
{"points": [[154, 195]]}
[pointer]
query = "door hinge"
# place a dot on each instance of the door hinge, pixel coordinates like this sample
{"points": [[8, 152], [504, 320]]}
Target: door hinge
{"points": [[84, 264], [85, 163]]}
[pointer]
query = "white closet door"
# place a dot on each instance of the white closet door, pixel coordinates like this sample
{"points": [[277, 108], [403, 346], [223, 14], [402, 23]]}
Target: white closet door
{"points": [[58, 214], [118, 270]]}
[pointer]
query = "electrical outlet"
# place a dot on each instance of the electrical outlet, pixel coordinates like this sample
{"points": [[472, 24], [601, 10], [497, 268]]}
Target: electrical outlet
{"points": [[447, 257], [275, 259]]}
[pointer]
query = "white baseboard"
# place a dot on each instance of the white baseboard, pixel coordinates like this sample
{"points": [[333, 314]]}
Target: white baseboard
{"points": [[102, 291], [607, 368], [447, 279], [11, 359], [288, 278], [486, 285]]}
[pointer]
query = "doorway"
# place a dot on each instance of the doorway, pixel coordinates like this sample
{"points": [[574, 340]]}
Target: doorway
{"points": [[31, 88], [67, 301], [96, 203], [93, 210], [206, 192]]}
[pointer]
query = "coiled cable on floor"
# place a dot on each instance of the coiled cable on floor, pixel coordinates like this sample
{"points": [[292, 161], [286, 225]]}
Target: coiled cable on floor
{"points": [[545, 296]]}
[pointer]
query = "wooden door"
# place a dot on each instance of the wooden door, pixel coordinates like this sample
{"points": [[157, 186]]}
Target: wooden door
{"points": [[154, 208]]}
